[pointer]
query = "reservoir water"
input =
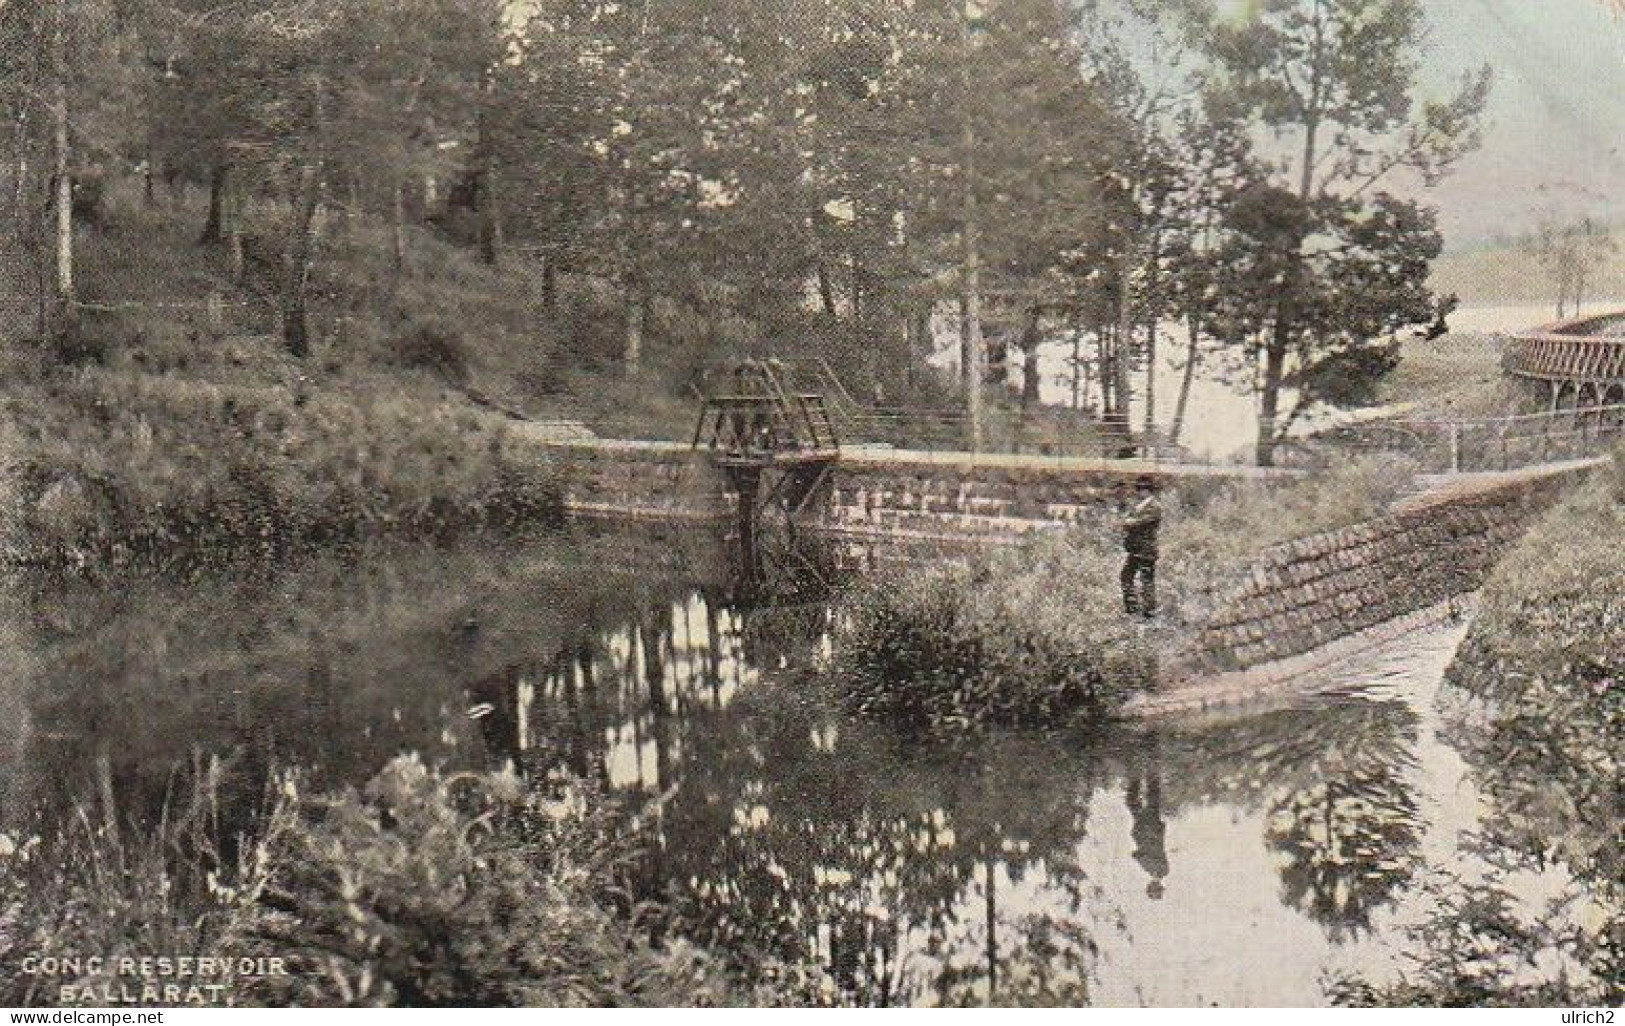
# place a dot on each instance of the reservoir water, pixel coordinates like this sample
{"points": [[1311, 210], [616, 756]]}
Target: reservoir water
{"points": [[1232, 862]]}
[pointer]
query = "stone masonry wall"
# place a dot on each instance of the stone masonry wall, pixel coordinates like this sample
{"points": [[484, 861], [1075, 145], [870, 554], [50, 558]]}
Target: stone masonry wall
{"points": [[639, 482], [1316, 590], [989, 498], [886, 495], [971, 501]]}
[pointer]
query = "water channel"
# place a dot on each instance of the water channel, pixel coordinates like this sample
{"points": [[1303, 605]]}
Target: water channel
{"points": [[1231, 862]]}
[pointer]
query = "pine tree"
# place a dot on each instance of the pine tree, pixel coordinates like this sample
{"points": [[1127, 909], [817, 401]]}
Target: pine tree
{"points": [[1329, 86]]}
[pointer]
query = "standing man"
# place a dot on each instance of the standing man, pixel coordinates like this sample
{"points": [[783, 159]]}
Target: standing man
{"points": [[1140, 526]]}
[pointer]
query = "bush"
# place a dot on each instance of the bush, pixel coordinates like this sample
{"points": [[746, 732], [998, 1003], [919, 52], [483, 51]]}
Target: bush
{"points": [[436, 347], [1033, 637], [91, 886], [422, 888], [428, 889]]}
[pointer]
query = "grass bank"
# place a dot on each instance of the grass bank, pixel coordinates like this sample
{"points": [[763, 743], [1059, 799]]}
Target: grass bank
{"points": [[1455, 375], [1546, 658], [165, 418], [113, 466], [1036, 635], [419, 889], [1210, 538]]}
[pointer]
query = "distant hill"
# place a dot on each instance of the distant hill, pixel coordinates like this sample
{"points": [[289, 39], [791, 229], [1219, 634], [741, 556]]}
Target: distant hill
{"points": [[1503, 274], [1554, 138]]}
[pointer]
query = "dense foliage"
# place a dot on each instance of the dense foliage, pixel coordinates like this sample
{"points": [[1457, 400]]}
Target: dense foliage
{"points": [[123, 466], [1031, 637], [830, 177], [422, 888]]}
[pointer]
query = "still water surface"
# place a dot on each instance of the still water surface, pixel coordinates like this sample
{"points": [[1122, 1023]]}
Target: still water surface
{"points": [[1233, 862]]}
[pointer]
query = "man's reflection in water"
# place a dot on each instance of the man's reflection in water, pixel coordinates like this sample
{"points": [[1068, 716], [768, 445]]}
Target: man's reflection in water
{"points": [[1150, 833]]}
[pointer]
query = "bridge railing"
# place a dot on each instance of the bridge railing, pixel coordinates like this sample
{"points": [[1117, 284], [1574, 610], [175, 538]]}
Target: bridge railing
{"points": [[1477, 445], [1550, 356]]}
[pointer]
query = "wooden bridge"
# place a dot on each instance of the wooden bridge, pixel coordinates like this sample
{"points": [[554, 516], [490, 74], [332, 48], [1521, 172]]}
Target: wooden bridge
{"points": [[1576, 364]]}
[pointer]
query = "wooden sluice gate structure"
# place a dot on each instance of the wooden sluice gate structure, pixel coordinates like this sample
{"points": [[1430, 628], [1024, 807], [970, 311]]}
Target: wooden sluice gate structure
{"points": [[776, 446]]}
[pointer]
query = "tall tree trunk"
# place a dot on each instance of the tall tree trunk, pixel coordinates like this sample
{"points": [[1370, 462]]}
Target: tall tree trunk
{"points": [[1306, 184], [991, 912], [1103, 371], [635, 301], [490, 220], [295, 312], [64, 176], [1281, 337], [632, 284], [234, 229], [486, 193], [970, 272], [19, 187], [550, 283], [1192, 354], [397, 232], [924, 343], [1124, 335], [965, 358], [826, 290], [856, 293], [1077, 367], [1031, 378], [1153, 282], [1274, 371], [1149, 424], [213, 224]]}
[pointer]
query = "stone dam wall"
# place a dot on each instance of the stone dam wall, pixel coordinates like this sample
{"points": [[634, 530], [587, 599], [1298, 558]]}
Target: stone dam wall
{"points": [[922, 495], [660, 482], [878, 494], [1313, 602]]}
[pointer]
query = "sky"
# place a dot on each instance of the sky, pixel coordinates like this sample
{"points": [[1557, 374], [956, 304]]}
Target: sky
{"points": [[1554, 139]]}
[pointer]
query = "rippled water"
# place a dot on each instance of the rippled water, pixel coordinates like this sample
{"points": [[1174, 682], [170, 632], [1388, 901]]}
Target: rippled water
{"points": [[1232, 861]]}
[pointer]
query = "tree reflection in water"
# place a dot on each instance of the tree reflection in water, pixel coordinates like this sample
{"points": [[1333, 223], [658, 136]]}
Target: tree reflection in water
{"points": [[921, 873], [1336, 781], [770, 825]]}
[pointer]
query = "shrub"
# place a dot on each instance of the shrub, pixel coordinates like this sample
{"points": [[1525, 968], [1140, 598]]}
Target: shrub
{"points": [[92, 886], [421, 888], [78, 341], [434, 346], [433, 889], [1031, 637]]}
